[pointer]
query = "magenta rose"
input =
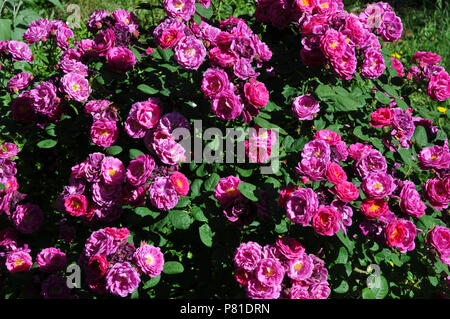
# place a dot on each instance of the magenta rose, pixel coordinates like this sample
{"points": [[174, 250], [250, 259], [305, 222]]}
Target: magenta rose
{"points": [[140, 169], [113, 171], [183, 9], [378, 185], [76, 87], [215, 80], [326, 221], [227, 105], [19, 82], [301, 206], [437, 157], [269, 272], [439, 87], [51, 259], [373, 64], [104, 132], [401, 234], [304, 107], [190, 53], [120, 59], [28, 218], [410, 202], [247, 256], [149, 259], [439, 238], [256, 94], [162, 193], [19, 51]]}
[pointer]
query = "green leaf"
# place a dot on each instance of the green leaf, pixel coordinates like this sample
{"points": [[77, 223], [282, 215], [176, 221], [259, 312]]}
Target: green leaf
{"points": [[380, 287], [2, 187], [266, 124], [367, 294], [135, 294], [248, 190], [173, 268], [147, 89], [211, 182], [342, 256], [349, 244], [382, 98], [201, 10], [244, 172], [342, 288], [58, 4], [46, 143], [405, 154], [197, 213], [347, 103], [166, 54], [281, 228], [114, 150], [206, 235], [325, 92], [420, 135], [152, 282], [195, 187], [133, 153], [183, 202], [144, 211], [5, 29], [180, 219]]}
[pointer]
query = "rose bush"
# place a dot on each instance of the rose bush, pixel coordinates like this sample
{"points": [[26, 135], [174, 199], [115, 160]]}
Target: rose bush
{"points": [[106, 161]]}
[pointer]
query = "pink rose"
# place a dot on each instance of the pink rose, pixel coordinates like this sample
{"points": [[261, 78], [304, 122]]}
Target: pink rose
{"points": [[346, 191], [381, 117], [215, 80], [256, 94], [335, 174], [326, 221], [104, 132], [304, 107], [439, 87], [120, 59]]}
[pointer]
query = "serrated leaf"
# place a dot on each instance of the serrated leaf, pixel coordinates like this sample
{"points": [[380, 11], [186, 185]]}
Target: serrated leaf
{"points": [[325, 92], [405, 154], [173, 268], [204, 12], [206, 235]]}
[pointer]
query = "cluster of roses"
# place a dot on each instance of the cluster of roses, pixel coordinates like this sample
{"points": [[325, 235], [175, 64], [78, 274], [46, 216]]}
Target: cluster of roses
{"points": [[401, 125], [43, 102], [104, 130], [238, 209], [114, 265], [50, 261], [332, 35], [428, 70], [46, 100], [283, 270], [100, 185], [114, 34], [28, 217], [230, 82], [437, 189], [162, 133], [320, 161], [379, 187]]}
